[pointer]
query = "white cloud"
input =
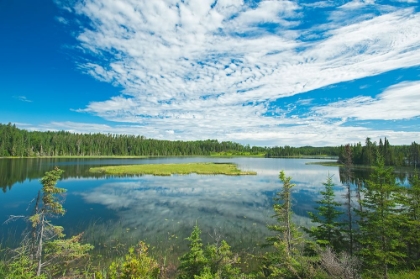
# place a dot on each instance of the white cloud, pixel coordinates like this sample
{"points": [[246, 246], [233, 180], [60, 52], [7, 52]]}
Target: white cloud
{"points": [[406, 1], [23, 99], [210, 72], [401, 101]]}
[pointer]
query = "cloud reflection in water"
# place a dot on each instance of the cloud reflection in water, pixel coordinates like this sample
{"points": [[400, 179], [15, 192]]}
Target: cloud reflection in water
{"points": [[155, 205]]}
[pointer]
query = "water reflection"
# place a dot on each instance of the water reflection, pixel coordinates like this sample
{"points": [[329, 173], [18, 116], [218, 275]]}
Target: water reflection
{"points": [[156, 208]]}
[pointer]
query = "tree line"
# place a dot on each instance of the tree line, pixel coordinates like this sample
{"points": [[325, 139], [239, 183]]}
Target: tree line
{"points": [[15, 142]]}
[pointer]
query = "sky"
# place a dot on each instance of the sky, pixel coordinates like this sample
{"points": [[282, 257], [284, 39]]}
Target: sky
{"points": [[267, 73]]}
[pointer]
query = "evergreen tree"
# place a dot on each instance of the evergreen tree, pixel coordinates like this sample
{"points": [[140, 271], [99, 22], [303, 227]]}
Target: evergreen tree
{"points": [[411, 220], [214, 261], [379, 223], [286, 260], [48, 244], [348, 164], [221, 262], [329, 230], [193, 262]]}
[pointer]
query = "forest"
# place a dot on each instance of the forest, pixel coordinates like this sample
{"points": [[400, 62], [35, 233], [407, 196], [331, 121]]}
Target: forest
{"points": [[15, 142]]}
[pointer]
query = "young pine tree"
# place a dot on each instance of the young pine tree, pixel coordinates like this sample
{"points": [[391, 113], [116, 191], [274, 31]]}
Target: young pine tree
{"points": [[329, 230], [193, 262], [213, 262], [286, 259]]}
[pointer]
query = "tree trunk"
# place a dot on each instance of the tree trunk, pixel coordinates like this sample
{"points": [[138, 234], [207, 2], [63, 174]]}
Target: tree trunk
{"points": [[39, 252]]}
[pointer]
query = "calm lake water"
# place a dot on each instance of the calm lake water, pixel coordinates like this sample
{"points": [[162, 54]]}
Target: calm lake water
{"points": [[162, 209]]}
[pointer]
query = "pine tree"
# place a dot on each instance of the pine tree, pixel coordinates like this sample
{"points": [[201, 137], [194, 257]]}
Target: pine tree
{"points": [[329, 230]]}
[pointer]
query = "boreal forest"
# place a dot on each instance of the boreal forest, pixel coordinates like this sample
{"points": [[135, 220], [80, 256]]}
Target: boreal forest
{"points": [[15, 142]]}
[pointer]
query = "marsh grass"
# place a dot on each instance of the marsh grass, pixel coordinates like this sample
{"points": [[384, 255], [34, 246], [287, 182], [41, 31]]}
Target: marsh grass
{"points": [[169, 169]]}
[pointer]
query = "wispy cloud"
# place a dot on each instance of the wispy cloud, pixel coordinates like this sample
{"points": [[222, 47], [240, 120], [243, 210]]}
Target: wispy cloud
{"points": [[401, 101], [210, 68], [23, 99]]}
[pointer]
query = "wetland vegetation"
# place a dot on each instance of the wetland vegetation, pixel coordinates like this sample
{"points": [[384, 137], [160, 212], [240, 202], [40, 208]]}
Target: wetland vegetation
{"points": [[169, 169]]}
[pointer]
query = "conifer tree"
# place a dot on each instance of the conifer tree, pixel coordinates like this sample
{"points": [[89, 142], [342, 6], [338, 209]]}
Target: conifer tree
{"points": [[221, 262], [286, 260], [411, 220], [193, 262], [379, 223], [348, 164], [214, 261], [284, 228], [49, 246], [328, 232]]}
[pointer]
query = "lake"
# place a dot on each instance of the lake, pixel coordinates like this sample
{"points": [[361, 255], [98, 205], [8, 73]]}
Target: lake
{"points": [[162, 210]]}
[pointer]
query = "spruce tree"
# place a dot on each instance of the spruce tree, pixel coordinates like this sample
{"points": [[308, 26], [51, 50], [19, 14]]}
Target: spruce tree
{"points": [[286, 259], [49, 247], [411, 220], [379, 223], [329, 230], [193, 262]]}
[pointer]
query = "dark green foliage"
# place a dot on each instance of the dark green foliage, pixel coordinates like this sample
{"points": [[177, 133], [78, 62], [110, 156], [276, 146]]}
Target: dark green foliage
{"points": [[193, 262], [329, 230], [214, 261], [402, 155], [221, 262], [289, 151], [380, 234], [22, 143], [346, 177], [286, 259], [410, 220]]}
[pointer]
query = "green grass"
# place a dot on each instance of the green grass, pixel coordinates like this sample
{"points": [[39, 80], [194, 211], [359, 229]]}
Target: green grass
{"points": [[412, 274], [169, 169], [236, 154]]}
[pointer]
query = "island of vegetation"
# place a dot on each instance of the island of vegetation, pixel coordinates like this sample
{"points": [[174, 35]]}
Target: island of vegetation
{"points": [[169, 169]]}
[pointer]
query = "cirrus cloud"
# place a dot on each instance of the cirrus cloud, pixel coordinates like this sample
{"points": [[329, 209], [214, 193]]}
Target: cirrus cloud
{"points": [[210, 68]]}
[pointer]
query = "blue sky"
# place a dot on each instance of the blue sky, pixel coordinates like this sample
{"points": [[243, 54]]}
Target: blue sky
{"points": [[256, 72]]}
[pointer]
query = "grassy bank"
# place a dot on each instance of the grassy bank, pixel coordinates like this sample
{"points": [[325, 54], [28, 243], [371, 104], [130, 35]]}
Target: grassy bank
{"points": [[169, 169], [236, 154]]}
